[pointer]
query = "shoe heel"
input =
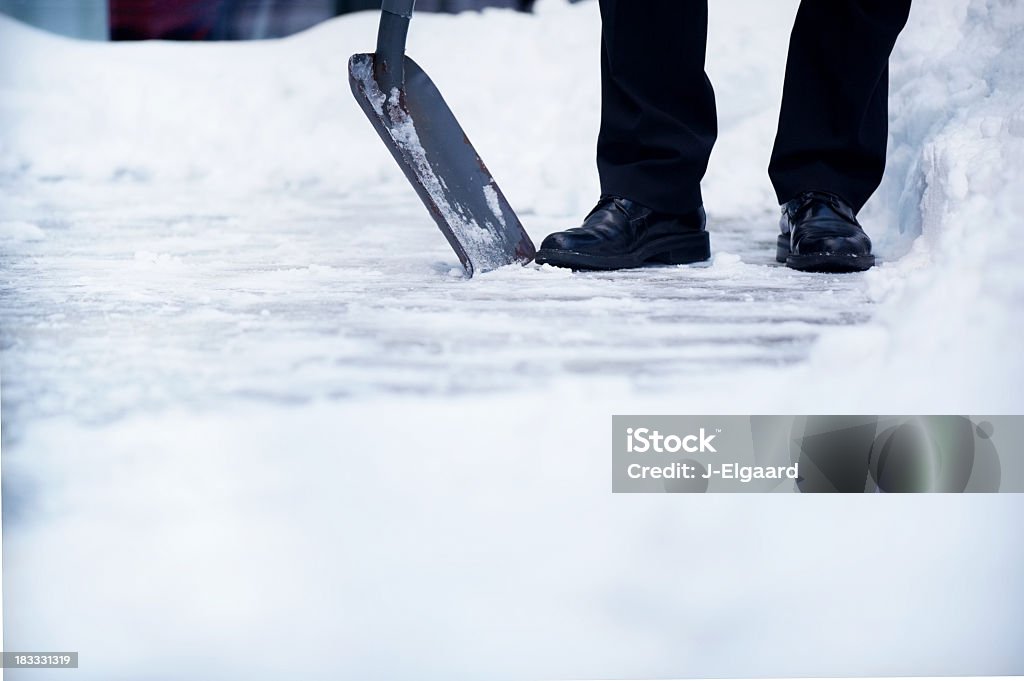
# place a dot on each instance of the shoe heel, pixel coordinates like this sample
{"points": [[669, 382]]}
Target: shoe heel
{"points": [[697, 248], [782, 248]]}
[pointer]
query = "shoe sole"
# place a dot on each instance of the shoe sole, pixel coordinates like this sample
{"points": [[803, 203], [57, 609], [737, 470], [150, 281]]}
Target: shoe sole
{"points": [[678, 250], [822, 262]]}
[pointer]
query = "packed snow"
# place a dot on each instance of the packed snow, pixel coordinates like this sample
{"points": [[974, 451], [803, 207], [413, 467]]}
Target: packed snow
{"points": [[257, 423]]}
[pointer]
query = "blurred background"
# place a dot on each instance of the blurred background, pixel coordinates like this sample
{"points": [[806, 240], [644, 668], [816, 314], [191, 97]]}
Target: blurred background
{"points": [[205, 19]]}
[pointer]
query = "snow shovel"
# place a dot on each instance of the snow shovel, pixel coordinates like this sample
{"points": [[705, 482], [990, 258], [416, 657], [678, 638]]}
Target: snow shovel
{"points": [[422, 134]]}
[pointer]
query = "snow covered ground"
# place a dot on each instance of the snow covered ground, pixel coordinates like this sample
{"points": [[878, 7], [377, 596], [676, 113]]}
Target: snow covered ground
{"points": [[257, 425]]}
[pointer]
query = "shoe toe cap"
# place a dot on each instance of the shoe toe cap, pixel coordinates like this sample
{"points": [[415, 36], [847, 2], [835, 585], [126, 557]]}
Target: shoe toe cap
{"points": [[837, 244], [560, 241]]}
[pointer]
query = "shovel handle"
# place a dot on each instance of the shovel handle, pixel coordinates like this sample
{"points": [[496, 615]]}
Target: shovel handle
{"points": [[389, 63], [402, 8]]}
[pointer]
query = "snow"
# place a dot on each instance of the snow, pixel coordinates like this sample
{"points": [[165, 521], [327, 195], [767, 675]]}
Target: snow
{"points": [[257, 424], [491, 196]]}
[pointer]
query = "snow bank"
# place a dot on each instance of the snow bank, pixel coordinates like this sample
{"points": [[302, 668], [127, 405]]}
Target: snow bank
{"points": [[278, 115], [951, 310]]}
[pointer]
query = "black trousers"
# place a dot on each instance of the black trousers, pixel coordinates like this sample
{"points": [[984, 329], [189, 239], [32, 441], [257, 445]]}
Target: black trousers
{"points": [[658, 121]]}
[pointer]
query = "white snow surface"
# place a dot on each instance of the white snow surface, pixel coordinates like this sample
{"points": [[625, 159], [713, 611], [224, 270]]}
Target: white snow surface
{"points": [[256, 424]]}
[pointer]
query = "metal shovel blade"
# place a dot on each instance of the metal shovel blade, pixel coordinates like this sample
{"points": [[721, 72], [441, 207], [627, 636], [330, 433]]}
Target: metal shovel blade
{"points": [[430, 146]]}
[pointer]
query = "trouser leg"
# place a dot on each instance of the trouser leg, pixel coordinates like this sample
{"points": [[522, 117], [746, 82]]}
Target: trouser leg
{"points": [[833, 128], [658, 121]]}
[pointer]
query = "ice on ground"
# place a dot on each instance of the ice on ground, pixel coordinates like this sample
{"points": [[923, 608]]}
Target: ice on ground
{"points": [[248, 407]]}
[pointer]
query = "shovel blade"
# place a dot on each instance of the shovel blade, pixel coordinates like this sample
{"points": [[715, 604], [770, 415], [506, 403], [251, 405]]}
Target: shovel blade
{"points": [[430, 146]]}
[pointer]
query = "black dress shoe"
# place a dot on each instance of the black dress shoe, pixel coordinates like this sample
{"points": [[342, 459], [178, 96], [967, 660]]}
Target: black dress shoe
{"points": [[620, 233], [820, 233]]}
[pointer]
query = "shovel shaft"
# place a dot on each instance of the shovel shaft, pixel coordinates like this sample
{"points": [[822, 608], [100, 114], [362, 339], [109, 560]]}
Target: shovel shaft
{"points": [[402, 8], [391, 36]]}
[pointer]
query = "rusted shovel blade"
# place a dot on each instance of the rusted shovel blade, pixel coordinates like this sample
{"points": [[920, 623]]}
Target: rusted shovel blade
{"points": [[434, 153]]}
